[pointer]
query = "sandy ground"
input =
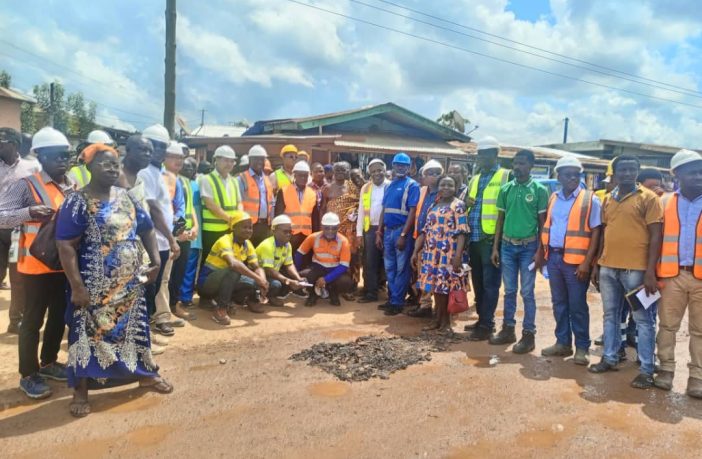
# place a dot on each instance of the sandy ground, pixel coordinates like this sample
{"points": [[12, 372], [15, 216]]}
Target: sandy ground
{"points": [[258, 403]]}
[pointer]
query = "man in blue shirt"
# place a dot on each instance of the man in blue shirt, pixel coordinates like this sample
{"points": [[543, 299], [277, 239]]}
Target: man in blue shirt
{"points": [[569, 241], [394, 236]]}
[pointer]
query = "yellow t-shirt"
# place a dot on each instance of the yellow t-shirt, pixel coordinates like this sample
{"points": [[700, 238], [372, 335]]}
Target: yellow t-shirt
{"points": [[226, 246], [274, 256]]}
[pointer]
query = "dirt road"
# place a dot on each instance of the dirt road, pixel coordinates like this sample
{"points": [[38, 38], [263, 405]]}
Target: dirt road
{"points": [[238, 395]]}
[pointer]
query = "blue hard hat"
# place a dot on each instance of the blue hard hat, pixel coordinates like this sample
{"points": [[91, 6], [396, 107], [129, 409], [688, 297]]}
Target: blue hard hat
{"points": [[401, 158]]}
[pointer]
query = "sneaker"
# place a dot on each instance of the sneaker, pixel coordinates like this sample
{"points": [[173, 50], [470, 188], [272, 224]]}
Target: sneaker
{"points": [[664, 380], [55, 371], [557, 350], [526, 344], [602, 367], [582, 357], [35, 387], [163, 329], [505, 336], [300, 294], [159, 340], [13, 328], [220, 316], [642, 381]]}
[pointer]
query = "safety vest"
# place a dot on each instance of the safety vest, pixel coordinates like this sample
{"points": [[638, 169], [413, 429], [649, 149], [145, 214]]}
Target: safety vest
{"points": [[578, 232], [81, 175], [669, 263], [281, 178], [366, 192], [300, 213], [188, 195], [50, 195], [251, 198], [211, 222], [422, 195], [329, 253], [488, 215]]}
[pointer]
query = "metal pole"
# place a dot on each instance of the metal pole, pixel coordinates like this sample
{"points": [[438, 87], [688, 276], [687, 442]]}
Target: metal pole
{"points": [[170, 77], [565, 130], [51, 104], [202, 118]]}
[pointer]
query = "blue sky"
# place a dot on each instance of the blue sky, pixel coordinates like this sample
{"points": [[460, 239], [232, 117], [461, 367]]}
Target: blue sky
{"points": [[257, 59]]}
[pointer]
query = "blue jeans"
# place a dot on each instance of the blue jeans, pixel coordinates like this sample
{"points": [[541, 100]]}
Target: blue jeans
{"points": [[276, 288], [569, 298], [515, 261], [397, 265], [187, 288], [614, 284]]}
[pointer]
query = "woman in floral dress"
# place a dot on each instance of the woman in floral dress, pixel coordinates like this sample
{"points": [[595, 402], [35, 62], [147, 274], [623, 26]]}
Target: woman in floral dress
{"points": [[98, 232], [441, 246]]}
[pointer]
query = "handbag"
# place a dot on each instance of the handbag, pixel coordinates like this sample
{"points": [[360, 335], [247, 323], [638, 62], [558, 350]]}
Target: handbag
{"points": [[457, 301], [44, 248]]}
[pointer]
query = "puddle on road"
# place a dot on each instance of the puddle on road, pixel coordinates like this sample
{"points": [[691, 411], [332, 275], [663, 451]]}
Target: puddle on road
{"points": [[331, 389]]}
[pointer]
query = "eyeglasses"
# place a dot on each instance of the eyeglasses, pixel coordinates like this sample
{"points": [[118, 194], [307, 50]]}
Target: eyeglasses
{"points": [[114, 165], [432, 173]]}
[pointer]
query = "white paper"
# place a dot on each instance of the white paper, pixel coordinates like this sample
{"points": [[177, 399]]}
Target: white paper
{"points": [[647, 300], [532, 266]]}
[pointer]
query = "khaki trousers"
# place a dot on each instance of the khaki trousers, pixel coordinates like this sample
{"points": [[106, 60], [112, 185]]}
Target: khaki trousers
{"points": [[163, 308], [680, 293]]}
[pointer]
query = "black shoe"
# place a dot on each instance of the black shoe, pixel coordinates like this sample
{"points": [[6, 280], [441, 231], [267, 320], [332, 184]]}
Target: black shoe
{"points": [[642, 381], [526, 344], [13, 328], [367, 299], [505, 336], [420, 312], [384, 306], [480, 334], [311, 300], [393, 311], [631, 340], [334, 299], [602, 367], [470, 327], [599, 341], [622, 354], [163, 329]]}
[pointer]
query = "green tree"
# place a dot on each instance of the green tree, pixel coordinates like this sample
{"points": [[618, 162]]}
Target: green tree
{"points": [[5, 79], [28, 118], [82, 115], [42, 93]]}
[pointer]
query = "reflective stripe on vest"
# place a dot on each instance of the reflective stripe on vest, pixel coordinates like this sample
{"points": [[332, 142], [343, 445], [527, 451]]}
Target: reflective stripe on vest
{"points": [[488, 214], [211, 222], [403, 203], [300, 213], [281, 178], [250, 196], [366, 197], [188, 196], [81, 175], [578, 231], [422, 195], [51, 196], [327, 259], [669, 263]]}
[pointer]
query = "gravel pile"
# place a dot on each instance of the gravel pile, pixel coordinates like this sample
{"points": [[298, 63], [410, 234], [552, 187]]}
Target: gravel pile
{"points": [[373, 356]]}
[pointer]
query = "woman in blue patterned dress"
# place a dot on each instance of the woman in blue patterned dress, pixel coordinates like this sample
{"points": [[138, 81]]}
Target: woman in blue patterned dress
{"points": [[441, 247], [98, 232]]}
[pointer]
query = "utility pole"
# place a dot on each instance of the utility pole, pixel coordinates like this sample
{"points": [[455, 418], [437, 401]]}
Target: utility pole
{"points": [[52, 98], [202, 117], [565, 130], [170, 77]]}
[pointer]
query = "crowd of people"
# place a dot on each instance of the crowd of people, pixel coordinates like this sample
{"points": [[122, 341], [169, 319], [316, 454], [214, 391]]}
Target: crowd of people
{"points": [[140, 231]]}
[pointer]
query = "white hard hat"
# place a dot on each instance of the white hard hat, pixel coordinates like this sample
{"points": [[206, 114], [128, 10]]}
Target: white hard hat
{"points": [[49, 137], [281, 219], [301, 166], [157, 132], [684, 157], [174, 148], [569, 161], [244, 161], [257, 151], [224, 151], [98, 136], [330, 219], [488, 143], [432, 164], [184, 147], [375, 161]]}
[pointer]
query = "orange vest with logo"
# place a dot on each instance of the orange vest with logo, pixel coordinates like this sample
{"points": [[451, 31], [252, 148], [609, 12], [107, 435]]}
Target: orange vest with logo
{"points": [[300, 212], [578, 232], [251, 198], [50, 195], [669, 263]]}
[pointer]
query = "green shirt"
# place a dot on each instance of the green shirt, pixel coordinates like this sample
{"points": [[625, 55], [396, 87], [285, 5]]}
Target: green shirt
{"points": [[271, 255], [522, 204]]}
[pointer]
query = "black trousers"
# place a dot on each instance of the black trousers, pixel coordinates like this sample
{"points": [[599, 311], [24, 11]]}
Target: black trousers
{"points": [[178, 273], [208, 240], [42, 292], [17, 295], [373, 266], [486, 281], [342, 284], [5, 241], [261, 231], [225, 286]]}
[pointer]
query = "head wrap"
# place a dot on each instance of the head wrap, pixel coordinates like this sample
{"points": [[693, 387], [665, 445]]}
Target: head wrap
{"points": [[88, 154], [238, 216]]}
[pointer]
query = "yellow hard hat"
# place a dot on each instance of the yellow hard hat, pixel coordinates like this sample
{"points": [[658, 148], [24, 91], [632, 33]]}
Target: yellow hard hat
{"points": [[289, 148], [238, 217], [303, 153]]}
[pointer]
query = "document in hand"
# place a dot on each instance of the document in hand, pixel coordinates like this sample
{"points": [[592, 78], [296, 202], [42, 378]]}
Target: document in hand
{"points": [[638, 298]]}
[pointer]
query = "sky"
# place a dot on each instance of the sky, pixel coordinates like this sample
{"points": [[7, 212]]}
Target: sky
{"points": [[625, 70]]}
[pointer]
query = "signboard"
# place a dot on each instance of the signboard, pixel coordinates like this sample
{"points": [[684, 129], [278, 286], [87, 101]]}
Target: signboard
{"points": [[541, 172]]}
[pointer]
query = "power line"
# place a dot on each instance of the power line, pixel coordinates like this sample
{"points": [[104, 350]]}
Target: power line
{"points": [[477, 53], [438, 18], [685, 93]]}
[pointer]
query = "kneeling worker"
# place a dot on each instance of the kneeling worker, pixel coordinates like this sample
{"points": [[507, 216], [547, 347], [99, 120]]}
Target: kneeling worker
{"points": [[231, 273], [275, 257], [331, 255]]}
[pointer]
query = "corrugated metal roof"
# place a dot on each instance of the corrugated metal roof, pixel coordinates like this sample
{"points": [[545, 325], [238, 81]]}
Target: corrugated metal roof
{"points": [[395, 144], [218, 130], [16, 95]]}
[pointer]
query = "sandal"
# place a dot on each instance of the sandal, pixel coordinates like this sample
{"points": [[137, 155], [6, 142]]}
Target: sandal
{"points": [[79, 409], [159, 385]]}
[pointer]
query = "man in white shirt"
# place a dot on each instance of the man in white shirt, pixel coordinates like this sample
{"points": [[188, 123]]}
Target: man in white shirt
{"points": [[161, 211], [370, 206]]}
